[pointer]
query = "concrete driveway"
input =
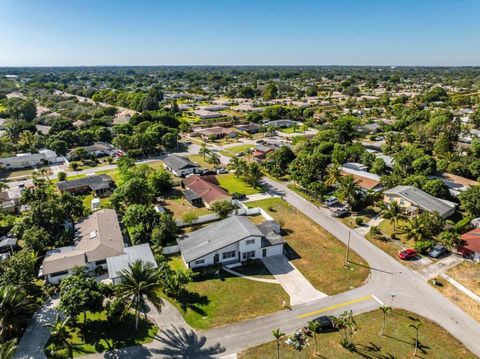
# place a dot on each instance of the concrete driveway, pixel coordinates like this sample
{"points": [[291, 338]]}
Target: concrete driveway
{"points": [[293, 282]]}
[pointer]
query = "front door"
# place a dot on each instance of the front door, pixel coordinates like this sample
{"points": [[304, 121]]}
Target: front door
{"points": [[216, 258], [264, 252]]}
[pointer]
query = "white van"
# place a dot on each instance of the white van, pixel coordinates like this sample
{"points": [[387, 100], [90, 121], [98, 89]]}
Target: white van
{"points": [[330, 201]]}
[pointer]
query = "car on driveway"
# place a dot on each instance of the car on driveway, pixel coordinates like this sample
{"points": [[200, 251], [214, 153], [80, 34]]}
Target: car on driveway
{"points": [[207, 173], [326, 322], [438, 251], [408, 253], [222, 170], [330, 201], [340, 212]]}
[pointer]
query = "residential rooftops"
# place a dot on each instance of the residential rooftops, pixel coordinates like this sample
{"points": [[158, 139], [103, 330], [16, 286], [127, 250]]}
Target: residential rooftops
{"points": [[176, 162], [206, 187], [95, 183]]}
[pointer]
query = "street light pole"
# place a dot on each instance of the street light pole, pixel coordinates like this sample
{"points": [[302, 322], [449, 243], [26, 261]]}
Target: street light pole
{"points": [[348, 248]]}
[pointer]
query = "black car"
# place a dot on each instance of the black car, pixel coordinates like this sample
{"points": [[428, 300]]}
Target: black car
{"points": [[207, 173], [438, 251], [326, 323]]}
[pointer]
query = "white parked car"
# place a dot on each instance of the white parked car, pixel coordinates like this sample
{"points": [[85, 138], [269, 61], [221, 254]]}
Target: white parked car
{"points": [[330, 201]]}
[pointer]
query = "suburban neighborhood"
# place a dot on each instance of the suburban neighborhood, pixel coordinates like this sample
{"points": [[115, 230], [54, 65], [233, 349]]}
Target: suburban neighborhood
{"points": [[260, 211]]}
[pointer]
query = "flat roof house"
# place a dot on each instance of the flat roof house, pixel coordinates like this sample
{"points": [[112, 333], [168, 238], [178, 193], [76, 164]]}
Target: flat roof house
{"points": [[249, 127], [179, 166], [230, 241], [23, 160], [204, 114], [98, 238], [100, 184], [207, 188], [413, 200]]}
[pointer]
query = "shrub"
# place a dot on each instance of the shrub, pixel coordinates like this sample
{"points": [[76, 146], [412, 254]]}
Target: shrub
{"points": [[422, 246], [115, 310], [359, 221], [62, 176]]}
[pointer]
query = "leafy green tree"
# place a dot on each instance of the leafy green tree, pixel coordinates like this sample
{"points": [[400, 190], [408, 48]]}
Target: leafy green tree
{"points": [[277, 162], [60, 335], [449, 239], [139, 283], [19, 270], [334, 175], [378, 167], [204, 151], [253, 174], [165, 231], [348, 190], [214, 159], [270, 91], [134, 191], [115, 311], [223, 208], [62, 176], [141, 219], [436, 188], [79, 294], [37, 239], [8, 348], [15, 311], [190, 217], [470, 200], [414, 229]]}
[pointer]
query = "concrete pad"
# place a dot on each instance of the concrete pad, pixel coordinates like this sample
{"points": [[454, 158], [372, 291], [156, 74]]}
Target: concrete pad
{"points": [[293, 282]]}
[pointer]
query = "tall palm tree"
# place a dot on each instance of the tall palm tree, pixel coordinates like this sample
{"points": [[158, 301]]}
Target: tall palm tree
{"points": [[254, 174], [348, 190], [7, 349], [277, 334], [385, 309], [416, 326], [414, 229], [204, 151], [139, 283], [214, 159], [15, 310], [393, 212], [314, 326], [60, 336], [334, 173]]}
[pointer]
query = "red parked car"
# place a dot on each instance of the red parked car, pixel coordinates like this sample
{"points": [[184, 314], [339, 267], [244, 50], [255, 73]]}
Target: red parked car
{"points": [[407, 254]]}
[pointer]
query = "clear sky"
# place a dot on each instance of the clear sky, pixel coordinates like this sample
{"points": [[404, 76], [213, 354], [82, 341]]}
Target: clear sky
{"points": [[239, 32]]}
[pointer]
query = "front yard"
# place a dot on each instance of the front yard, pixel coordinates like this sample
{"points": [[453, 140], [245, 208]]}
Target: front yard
{"points": [[201, 161], [232, 151], [98, 335], [314, 251], [398, 341], [233, 184], [216, 300]]}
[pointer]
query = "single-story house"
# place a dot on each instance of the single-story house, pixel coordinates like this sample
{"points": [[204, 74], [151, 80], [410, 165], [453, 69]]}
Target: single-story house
{"points": [[180, 166], [98, 149], [98, 238], [204, 114], [230, 241], [260, 152], [214, 107], [413, 200], [470, 244], [456, 184], [249, 128], [10, 200], [216, 132], [282, 123], [248, 107], [365, 180], [23, 160], [100, 184], [205, 187], [116, 265], [369, 128], [44, 130]]}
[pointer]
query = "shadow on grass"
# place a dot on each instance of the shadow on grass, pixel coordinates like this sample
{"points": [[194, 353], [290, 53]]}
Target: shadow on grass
{"points": [[371, 268], [290, 253], [192, 300], [180, 343]]}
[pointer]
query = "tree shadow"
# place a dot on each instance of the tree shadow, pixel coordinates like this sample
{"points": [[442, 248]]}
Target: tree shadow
{"points": [[180, 343], [192, 300]]}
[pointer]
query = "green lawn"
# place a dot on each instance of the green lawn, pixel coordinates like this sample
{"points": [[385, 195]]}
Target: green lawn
{"points": [[178, 206], [233, 184], [398, 341], [314, 251], [232, 151], [98, 335], [298, 129], [202, 162], [104, 202], [215, 301]]}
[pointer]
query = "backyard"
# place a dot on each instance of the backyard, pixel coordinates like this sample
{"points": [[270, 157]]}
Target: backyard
{"points": [[175, 203], [98, 335], [398, 341], [316, 253], [215, 300]]}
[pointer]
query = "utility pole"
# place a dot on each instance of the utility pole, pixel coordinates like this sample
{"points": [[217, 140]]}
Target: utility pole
{"points": [[348, 248]]}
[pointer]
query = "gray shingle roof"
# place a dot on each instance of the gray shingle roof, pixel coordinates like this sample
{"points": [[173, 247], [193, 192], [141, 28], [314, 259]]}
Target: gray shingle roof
{"points": [[94, 182], [216, 236], [177, 162]]}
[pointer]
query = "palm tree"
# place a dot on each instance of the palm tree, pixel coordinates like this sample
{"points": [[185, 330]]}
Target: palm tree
{"points": [[7, 349], [393, 212], [214, 159], [277, 334], [204, 151], [449, 239], [334, 173], [348, 190], [140, 282], [238, 166], [414, 229], [416, 326], [385, 309], [375, 232], [253, 174], [60, 336], [15, 310], [314, 326]]}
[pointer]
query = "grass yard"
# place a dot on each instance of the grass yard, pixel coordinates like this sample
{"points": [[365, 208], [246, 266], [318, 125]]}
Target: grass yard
{"points": [[104, 202], [314, 251], [27, 172], [289, 130], [179, 206], [468, 274], [215, 301], [202, 162], [98, 335], [232, 151], [233, 184], [398, 341]]}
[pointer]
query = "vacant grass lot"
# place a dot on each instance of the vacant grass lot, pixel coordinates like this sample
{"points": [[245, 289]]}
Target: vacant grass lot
{"points": [[202, 162], [314, 251], [468, 274], [214, 300], [232, 151], [98, 335], [398, 341], [233, 184]]}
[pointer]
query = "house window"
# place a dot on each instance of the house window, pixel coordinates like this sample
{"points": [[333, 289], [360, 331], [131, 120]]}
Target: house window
{"points": [[200, 261], [59, 273], [250, 241], [248, 255], [101, 262], [230, 254]]}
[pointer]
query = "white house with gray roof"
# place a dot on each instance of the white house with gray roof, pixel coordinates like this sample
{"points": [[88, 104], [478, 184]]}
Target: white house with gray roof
{"points": [[413, 200], [180, 166], [231, 241]]}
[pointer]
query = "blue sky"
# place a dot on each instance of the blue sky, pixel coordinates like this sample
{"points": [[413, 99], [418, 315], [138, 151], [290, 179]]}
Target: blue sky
{"points": [[229, 32]]}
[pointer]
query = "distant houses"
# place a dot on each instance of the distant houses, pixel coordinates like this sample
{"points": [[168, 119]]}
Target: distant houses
{"points": [[180, 166], [215, 133], [24, 160]]}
